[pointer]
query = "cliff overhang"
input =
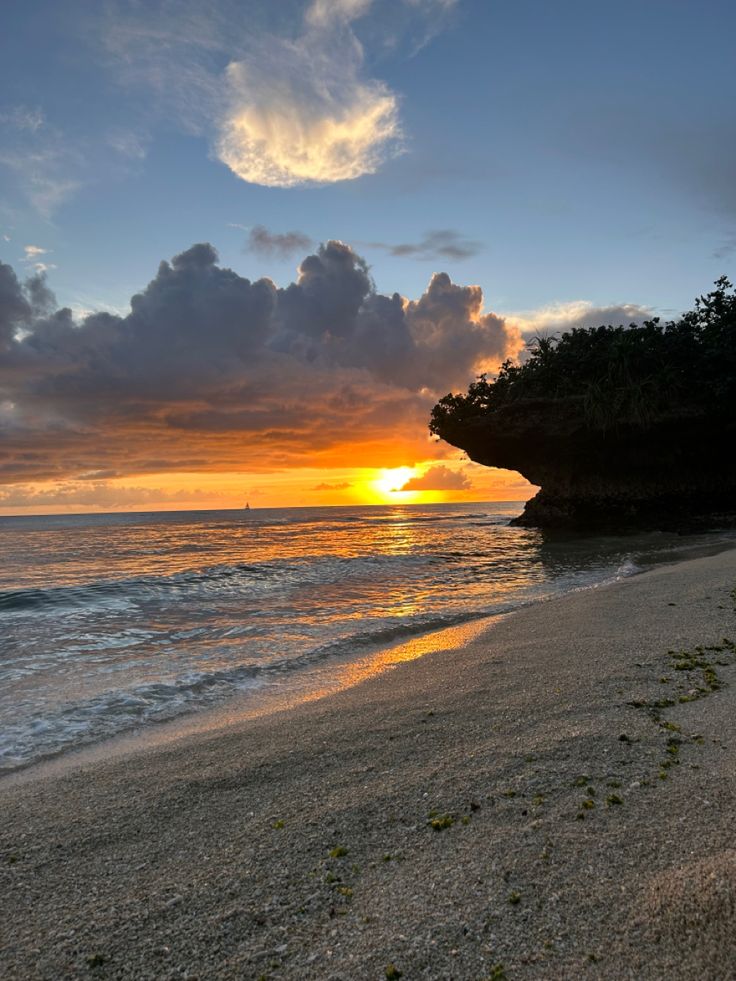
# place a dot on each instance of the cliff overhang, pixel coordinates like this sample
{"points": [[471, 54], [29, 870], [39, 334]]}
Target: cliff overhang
{"points": [[676, 473]]}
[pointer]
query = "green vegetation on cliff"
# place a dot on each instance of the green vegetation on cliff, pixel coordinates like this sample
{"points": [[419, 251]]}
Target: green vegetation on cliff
{"points": [[613, 376]]}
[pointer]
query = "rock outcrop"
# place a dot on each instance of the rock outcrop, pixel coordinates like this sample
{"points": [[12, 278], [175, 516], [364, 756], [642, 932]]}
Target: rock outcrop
{"points": [[622, 427], [677, 472]]}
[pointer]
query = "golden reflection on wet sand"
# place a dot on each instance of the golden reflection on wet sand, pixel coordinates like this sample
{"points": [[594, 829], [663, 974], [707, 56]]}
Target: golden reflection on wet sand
{"points": [[319, 683]]}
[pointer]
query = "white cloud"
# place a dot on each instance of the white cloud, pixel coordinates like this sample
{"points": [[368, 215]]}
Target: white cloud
{"points": [[33, 251], [282, 91], [32, 256], [557, 317], [300, 113]]}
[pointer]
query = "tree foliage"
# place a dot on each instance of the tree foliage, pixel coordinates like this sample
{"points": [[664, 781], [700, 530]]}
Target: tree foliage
{"points": [[620, 375]]}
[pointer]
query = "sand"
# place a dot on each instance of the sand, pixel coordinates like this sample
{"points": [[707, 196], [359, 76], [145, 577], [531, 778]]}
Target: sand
{"points": [[501, 810]]}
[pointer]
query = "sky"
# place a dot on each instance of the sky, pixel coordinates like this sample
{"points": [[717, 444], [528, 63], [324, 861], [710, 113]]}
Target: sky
{"points": [[245, 245]]}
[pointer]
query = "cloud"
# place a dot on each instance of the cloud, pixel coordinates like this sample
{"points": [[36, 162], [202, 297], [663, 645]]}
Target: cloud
{"points": [[282, 91], [33, 251], [343, 485], [98, 494], [444, 243], [301, 113], [211, 371], [438, 478], [558, 317], [326, 13], [281, 244], [31, 256]]}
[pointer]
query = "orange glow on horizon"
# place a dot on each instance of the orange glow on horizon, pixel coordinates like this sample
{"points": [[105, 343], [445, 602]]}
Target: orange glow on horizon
{"points": [[290, 487]]}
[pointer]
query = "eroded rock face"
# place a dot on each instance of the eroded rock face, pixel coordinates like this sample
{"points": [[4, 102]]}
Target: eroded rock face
{"points": [[678, 473]]}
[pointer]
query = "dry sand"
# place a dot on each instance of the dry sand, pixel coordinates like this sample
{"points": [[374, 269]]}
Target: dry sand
{"points": [[571, 839]]}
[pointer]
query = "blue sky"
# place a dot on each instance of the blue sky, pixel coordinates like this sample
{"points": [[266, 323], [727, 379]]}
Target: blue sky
{"points": [[587, 148], [574, 160]]}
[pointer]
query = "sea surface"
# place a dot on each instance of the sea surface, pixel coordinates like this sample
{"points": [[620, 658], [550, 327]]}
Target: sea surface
{"points": [[109, 623]]}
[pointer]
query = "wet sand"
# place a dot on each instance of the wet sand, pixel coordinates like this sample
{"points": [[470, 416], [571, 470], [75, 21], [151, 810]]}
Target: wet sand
{"points": [[553, 800]]}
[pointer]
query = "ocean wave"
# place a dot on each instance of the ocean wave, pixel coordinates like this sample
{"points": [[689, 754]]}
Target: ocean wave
{"points": [[114, 712], [310, 569]]}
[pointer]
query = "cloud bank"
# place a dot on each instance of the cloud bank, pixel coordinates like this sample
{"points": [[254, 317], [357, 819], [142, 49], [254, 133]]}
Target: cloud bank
{"points": [[559, 317], [211, 371], [438, 478]]}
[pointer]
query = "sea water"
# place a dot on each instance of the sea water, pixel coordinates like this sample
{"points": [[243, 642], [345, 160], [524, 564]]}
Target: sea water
{"points": [[111, 622]]}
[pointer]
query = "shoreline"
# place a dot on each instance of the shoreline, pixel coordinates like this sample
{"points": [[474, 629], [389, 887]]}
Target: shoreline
{"points": [[321, 680], [428, 818], [338, 675]]}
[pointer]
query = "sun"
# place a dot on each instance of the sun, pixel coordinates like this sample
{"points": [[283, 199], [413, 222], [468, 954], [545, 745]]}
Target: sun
{"points": [[387, 486]]}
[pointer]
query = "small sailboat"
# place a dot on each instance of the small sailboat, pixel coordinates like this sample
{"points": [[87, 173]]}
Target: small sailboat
{"points": [[247, 506]]}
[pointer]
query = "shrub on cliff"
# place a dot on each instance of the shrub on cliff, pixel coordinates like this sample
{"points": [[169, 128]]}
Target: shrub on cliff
{"points": [[620, 375]]}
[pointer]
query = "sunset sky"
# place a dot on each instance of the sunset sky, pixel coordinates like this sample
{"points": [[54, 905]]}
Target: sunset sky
{"points": [[245, 245]]}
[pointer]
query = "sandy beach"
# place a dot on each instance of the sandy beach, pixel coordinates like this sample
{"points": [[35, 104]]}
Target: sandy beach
{"points": [[554, 800]]}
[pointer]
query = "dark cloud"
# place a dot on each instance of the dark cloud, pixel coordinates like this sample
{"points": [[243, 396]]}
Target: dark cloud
{"points": [[279, 244], [211, 371], [438, 477], [343, 485], [15, 308], [444, 243], [21, 303]]}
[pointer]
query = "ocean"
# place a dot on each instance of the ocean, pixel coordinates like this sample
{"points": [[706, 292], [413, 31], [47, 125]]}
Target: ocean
{"points": [[112, 622]]}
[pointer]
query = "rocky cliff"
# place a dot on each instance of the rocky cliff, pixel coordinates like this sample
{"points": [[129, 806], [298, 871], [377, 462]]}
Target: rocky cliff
{"points": [[679, 472], [621, 427]]}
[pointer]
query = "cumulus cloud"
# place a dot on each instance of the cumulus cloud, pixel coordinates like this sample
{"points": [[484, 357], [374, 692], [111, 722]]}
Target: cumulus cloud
{"points": [[300, 112], [558, 317], [443, 243], [438, 477], [282, 91], [211, 371], [281, 244]]}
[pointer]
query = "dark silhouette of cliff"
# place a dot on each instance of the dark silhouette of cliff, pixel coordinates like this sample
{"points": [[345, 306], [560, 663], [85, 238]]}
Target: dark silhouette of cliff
{"points": [[621, 427]]}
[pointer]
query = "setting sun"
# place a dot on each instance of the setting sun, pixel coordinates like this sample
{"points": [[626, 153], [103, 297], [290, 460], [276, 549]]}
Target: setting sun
{"points": [[387, 486]]}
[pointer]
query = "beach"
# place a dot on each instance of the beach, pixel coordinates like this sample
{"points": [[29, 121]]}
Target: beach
{"points": [[553, 800]]}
